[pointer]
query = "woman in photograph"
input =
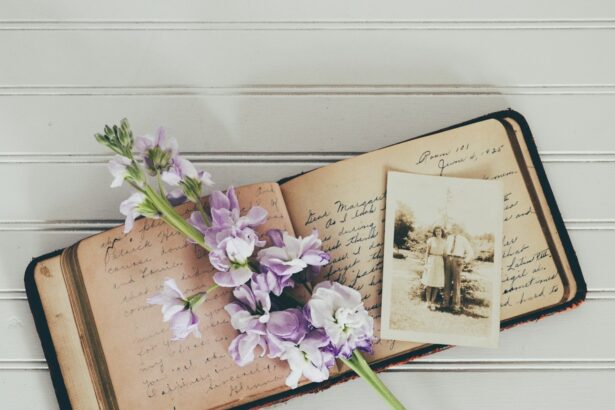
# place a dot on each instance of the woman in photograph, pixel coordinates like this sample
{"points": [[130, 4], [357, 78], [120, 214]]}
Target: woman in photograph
{"points": [[433, 276]]}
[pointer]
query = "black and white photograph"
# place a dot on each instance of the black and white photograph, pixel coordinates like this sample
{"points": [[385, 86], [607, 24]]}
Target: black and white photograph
{"points": [[442, 260]]}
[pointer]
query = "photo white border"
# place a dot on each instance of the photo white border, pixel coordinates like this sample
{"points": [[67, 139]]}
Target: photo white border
{"points": [[492, 339]]}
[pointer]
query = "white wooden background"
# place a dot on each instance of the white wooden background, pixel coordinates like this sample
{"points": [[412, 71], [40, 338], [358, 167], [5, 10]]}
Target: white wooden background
{"points": [[260, 90]]}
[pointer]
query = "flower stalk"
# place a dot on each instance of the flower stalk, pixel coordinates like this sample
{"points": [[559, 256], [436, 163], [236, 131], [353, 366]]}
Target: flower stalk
{"points": [[360, 366], [170, 215]]}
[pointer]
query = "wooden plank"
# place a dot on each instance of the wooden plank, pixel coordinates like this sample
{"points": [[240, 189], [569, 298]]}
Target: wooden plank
{"points": [[288, 123], [19, 339], [18, 247], [505, 390], [559, 337], [27, 389], [128, 58], [60, 191], [501, 390], [275, 10]]}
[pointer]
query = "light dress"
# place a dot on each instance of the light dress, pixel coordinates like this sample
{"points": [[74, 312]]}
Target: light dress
{"points": [[434, 268]]}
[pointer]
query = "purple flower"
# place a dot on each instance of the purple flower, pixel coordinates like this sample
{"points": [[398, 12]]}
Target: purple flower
{"points": [[249, 314], [339, 311], [176, 310], [182, 173], [242, 348], [225, 211], [180, 169], [196, 220], [285, 326], [291, 255], [226, 219], [230, 259], [276, 283], [251, 302], [118, 167], [157, 151], [230, 237], [310, 358]]}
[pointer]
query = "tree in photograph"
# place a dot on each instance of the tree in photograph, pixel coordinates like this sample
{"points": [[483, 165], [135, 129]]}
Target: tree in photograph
{"points": [[404, 225]]}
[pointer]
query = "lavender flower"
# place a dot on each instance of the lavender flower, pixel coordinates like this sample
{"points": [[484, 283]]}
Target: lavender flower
{"points": [[177, 310], [227, 220], [310, 358], [230, 237], [276, 283], [243, 345], [249, 315], [339, 311], [284, 327], [183, 174], [136, 205], [157, 151], [291, 255], [230, 259]]}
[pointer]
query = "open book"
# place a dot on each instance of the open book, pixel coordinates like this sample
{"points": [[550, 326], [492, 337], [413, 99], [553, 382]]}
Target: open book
{"points": [[107, 348]]}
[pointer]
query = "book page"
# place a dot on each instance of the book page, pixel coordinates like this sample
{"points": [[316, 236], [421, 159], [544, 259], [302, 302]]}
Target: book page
{"points": [[558, 247], [147, 369], [54, 299], [346, 203]]}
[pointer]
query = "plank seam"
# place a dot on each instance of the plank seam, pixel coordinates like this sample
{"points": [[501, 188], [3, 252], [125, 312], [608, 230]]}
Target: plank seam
{"points": [[452, 366], [592, 294], [308, 25], [298, 90], [308, 158]]}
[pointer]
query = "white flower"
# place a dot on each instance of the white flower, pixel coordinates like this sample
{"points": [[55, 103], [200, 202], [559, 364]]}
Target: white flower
{"points": [[309, 358], [118, 167], [340, 312], [130, 208], [176, 310]]}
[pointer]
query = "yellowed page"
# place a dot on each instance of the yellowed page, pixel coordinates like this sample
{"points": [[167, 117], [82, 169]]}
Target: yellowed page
{"points": [[550, 223], [146, 368], [346, 203], [66, 342]]}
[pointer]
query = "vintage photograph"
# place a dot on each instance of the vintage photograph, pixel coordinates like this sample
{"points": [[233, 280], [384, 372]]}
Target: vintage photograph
{"points": [[442, 260]]}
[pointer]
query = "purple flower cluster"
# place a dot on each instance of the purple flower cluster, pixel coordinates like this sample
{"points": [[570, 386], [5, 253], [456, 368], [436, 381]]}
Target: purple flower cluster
{"points": [[290, 255], [268, 319], [230, 236], [309, 338], [332, 324], [233, 240]]}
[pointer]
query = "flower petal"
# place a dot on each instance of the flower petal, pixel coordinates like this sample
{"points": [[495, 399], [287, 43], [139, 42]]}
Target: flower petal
{"points": [[275, 235], [316, 257], [256, 216]]}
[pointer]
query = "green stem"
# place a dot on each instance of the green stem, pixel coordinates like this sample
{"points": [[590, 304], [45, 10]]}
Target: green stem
{"points": [[174, 219], [160, 185], [197, 299], [360, 366]]}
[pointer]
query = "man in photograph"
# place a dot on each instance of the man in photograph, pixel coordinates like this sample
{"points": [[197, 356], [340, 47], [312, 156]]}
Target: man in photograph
{"points": [[459, 251]]}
